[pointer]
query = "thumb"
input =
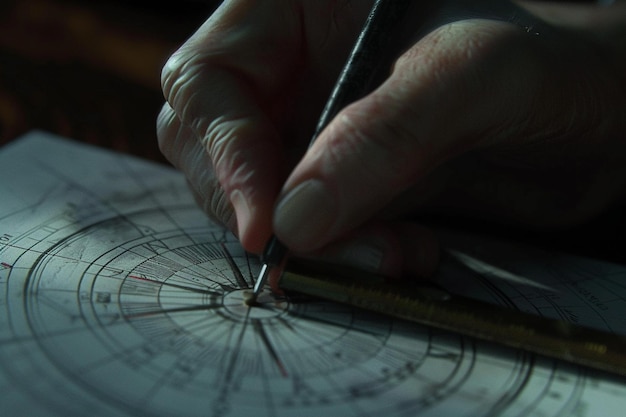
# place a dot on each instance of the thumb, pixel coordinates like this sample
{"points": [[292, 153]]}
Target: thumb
{"points": [[374, 150]]}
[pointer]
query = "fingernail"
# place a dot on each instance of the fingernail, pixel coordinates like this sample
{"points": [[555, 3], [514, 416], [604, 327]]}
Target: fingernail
{"points": [[304, 216], [242, 211]]}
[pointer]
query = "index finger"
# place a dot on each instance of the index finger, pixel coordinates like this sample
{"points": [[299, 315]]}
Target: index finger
{"points": [[219, 87]]}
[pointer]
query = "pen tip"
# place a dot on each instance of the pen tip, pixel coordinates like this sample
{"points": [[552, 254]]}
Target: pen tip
{"points": [[249, 298]]}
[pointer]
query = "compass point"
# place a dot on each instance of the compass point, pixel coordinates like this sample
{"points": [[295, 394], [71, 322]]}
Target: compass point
{"points": [[238, 305], [249, 299]]}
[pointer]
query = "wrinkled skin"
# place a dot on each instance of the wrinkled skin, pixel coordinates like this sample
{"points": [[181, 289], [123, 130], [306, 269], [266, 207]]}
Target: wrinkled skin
{"points": [[483, 117]]}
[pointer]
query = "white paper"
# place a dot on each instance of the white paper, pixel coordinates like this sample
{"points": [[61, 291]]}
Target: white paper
{"points": [[119, 298]]}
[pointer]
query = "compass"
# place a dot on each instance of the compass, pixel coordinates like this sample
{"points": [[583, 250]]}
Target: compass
{"points": [[119, 297]]}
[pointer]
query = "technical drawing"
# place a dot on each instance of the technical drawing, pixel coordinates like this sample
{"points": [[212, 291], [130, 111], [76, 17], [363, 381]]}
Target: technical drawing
{"points": [[119, 297]]}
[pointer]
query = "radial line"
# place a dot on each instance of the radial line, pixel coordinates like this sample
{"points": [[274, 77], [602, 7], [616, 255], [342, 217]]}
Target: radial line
{"points": [[182, 287], [236, 271], [258, 327]]}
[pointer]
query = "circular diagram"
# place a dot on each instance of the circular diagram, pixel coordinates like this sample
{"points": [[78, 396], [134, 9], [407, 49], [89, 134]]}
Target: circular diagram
{"points": [[155, 321], [122, 303]]}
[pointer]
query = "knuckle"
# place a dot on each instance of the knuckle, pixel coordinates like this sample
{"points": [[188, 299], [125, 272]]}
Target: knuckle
{"points": [[170, 72], [176, 142], [165, 129], [462, 51], [181, 80], [227, 141]]}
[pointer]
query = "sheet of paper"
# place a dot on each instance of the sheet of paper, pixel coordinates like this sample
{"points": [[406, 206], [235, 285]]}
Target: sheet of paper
{"points": [[118, 297]]}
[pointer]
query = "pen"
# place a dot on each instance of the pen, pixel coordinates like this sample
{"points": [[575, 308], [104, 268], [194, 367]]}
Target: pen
{"points": [[353, 83]]}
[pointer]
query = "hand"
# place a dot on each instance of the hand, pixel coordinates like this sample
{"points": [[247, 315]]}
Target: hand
{"points": [[479, 117], [242, 96]]}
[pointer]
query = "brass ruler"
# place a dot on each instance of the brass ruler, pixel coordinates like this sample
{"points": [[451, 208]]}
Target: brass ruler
{"points": [[432, 306]]}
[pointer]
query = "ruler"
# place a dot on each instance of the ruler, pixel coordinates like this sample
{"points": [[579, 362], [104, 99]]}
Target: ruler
{"points": [[432, 306]]}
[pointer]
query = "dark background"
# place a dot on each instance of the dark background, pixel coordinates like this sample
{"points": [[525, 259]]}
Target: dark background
{"points": [[90, 70]]}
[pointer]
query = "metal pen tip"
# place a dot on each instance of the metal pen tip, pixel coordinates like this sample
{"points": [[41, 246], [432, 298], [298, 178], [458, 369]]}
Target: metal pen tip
{"points": [[258, 285]]}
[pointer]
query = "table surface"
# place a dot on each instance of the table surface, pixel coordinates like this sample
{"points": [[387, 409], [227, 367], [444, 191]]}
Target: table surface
{"points": [[89, 70]]}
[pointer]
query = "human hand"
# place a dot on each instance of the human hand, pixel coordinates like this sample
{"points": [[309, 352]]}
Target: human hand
{"points": [[478, 117], [242, 96]]}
